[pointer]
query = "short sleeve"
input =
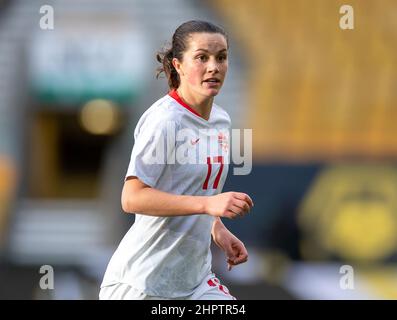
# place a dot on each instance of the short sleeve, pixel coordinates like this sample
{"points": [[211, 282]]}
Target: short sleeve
{"points": [[153, 144]]}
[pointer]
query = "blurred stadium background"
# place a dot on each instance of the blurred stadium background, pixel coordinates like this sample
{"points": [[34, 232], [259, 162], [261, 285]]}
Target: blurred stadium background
{"points": [[321, 102]]}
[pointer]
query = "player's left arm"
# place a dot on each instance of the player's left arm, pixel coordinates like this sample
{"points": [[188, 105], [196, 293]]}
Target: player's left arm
{"points": [[234, 249]]}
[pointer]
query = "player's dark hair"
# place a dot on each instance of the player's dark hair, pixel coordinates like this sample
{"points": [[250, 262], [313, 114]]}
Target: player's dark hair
{"points": [[179, 46]]}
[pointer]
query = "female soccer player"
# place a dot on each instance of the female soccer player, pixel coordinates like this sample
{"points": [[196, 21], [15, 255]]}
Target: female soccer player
{"points": [[176, 194]]}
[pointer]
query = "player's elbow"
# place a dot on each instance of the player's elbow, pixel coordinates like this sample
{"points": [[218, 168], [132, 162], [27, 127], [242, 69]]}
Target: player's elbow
{"points": [[125, 204], [128, 202], [131, 196]]}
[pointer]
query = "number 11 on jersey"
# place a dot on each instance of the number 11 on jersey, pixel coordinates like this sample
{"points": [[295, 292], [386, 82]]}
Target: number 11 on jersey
{"points": [[215, 159]]}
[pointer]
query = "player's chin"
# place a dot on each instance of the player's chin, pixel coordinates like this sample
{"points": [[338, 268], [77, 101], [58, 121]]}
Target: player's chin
{"points": [[212, 92]]}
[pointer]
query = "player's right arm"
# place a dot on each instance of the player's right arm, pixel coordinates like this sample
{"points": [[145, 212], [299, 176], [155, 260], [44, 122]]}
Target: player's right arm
{"points": [[137, 197]]}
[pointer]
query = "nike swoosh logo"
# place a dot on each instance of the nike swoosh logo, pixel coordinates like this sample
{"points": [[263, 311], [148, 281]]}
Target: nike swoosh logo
{"points": [[193, 142]]}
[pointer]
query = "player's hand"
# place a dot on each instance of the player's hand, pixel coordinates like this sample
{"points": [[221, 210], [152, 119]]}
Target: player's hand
{"points": [[229, 205], [234, 249]]}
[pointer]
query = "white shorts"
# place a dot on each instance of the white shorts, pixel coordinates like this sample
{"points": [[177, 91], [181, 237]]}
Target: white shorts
{"points": [[209, 289]]}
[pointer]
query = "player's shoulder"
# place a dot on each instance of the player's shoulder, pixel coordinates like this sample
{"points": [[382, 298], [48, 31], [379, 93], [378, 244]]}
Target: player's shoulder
{"points": [[160, 112], [221, 113]]}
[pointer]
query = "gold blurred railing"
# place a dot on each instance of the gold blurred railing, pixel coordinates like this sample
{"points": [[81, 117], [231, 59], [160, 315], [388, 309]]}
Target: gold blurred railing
{"points": [[8, 181], [317, 92]]}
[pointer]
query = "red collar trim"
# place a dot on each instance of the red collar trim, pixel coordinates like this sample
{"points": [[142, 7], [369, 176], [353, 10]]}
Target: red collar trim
{"points": [[174, 94]]}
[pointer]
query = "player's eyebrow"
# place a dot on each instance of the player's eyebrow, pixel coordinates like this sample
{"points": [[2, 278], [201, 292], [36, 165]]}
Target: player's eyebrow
{"points": [[208, 51]]}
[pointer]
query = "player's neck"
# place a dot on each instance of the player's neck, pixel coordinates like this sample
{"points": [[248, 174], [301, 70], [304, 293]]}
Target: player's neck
{"points": [[201, 104]]}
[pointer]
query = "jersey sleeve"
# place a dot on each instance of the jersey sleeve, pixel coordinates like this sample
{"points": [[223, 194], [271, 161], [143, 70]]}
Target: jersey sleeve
{"points": [[152, 148]]}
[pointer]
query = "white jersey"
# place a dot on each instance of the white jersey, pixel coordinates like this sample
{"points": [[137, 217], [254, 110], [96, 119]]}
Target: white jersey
{"points": [[170, 256]]}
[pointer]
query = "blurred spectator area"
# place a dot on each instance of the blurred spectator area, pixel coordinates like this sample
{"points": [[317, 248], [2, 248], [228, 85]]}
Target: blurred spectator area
{"points": [[316, 92], [322, 105], [318, 212]]}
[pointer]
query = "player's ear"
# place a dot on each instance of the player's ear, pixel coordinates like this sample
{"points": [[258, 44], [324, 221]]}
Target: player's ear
{"points": [[178, 66]]}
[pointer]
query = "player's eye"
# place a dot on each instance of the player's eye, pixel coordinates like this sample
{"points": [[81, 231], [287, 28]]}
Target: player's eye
{"points": [[202, 58], [222, 58]]}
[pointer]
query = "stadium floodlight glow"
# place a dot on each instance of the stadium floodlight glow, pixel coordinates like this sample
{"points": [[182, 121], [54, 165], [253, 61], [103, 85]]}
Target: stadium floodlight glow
{"points": [[99, 117]]}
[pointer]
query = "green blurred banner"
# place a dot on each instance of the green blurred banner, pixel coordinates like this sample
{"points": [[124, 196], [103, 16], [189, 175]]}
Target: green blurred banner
{"points": [[68, 67]]}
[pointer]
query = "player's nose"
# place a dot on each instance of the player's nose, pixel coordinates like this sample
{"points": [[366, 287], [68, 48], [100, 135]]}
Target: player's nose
{"points": [[212, 66]]}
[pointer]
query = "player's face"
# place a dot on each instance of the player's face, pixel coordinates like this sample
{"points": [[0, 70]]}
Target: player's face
{"points": [[204, 65]]}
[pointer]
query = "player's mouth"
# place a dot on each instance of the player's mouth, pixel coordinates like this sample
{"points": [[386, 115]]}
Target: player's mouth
{"points": [[212, 80]]}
